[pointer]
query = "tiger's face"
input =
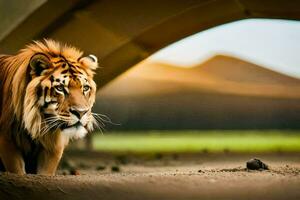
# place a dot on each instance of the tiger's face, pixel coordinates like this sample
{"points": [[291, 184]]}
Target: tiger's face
{"points": [[64, 90]]}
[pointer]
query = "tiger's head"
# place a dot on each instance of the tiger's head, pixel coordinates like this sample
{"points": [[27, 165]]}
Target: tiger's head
{"points": [[59, 90]]}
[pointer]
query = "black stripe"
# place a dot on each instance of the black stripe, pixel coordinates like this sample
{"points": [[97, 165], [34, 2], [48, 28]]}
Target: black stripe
{"points": [[60, 61]]}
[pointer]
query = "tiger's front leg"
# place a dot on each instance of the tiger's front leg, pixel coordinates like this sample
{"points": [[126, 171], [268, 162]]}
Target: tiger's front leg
{"points": [[51, 154], [11, 157], [48, 161]]}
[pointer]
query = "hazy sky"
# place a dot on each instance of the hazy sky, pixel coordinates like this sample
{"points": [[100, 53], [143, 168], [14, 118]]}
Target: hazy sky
{"points": [[271, 43]]}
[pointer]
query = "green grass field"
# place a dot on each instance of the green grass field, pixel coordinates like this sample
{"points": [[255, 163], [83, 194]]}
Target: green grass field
{"points": [[197, 141]]}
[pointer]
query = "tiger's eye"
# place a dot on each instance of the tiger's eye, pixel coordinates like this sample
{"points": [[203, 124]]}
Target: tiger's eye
{"points": [[86, 88], [59, 88]]}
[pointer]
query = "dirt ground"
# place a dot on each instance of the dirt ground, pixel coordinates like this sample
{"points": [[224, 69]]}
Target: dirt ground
{"points": [[160, 176]]}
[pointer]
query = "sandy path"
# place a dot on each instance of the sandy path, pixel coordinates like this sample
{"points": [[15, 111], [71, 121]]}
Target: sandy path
{"points": [[220, 177]]}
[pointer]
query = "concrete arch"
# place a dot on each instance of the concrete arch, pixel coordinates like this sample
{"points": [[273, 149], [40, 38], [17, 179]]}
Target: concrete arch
{"points": [[122, 33]]}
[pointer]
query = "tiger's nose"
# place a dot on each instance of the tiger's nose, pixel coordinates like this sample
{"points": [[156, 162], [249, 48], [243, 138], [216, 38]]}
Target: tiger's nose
{"points": [[78, 112]]}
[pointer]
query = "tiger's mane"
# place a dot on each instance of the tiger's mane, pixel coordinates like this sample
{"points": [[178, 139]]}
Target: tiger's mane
{"points": [[15, 76]]}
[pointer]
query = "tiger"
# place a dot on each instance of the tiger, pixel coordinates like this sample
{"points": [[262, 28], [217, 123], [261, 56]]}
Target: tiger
{"points": [[47, 93]]}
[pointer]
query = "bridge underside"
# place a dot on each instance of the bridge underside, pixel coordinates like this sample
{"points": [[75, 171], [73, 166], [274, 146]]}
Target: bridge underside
{"points": [[122, 33]]}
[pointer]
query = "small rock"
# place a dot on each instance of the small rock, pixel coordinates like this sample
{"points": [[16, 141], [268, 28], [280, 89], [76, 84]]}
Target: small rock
{"points": [[115, 168], [256, 164], [74, 172]]}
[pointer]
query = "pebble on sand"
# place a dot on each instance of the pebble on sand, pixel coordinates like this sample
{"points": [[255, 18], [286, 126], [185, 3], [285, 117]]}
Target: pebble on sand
{"points": [[256, 164]]}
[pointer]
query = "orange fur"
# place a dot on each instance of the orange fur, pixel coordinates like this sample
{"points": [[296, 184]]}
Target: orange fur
{"points": [[21, 120]]}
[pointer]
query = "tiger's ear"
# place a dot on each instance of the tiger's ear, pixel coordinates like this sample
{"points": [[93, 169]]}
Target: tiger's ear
{"points": [[38, 63], [90, 61]]}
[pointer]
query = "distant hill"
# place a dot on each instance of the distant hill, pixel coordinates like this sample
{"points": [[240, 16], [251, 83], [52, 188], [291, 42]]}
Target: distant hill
{"points": [[223, 92], [234, 69], [221, 74]]}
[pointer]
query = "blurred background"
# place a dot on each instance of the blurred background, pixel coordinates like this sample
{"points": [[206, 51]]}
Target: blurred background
{"points": [[179, 76]]}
